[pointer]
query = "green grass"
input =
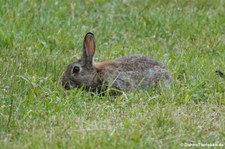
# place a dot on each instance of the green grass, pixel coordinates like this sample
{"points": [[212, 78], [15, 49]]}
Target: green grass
{"points": [[39, 38]]}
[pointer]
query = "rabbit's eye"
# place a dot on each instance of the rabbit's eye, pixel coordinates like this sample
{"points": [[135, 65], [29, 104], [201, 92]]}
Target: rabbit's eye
{"points": [[76, 69]]}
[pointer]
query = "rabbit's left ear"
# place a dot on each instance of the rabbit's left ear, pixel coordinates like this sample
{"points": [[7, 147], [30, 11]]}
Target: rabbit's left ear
{"points": [[89, 47]]}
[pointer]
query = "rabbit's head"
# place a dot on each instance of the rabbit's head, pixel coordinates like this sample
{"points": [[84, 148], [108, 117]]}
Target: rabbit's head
{"points": [[82, 72]]}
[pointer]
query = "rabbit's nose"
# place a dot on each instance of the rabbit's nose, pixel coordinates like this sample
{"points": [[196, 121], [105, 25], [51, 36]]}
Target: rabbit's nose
{"points": [[66, 85]]}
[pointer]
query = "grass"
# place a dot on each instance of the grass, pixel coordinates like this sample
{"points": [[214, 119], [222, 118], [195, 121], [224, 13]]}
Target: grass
{"points": [[39, 38]]}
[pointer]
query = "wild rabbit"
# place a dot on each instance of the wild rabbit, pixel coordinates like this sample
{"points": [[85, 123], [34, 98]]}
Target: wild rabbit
{"points": [[126, 73]]}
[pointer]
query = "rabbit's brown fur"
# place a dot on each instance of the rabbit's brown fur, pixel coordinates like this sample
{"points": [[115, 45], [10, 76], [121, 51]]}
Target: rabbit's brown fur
{"points": [[125, 73]]}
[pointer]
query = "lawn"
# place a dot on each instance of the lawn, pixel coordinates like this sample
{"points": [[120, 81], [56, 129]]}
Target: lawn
{"points": [[38, 39]]}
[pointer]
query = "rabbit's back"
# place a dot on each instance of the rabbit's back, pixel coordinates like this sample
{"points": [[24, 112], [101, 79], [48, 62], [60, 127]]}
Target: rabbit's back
{"points": [[137, 63]]}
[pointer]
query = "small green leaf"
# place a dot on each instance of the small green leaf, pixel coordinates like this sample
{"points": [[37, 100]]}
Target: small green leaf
{"points": [[147, 21]]}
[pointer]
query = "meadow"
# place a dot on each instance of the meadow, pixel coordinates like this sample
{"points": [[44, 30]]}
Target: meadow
{"points": [[38, 39]]}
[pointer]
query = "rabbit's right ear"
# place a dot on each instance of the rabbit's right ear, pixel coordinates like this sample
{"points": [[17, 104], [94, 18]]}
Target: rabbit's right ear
{"points": [[89, 47]]}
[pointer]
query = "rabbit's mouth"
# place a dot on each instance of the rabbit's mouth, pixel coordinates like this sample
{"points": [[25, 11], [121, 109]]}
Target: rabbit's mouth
{"points": [[68, 85]]}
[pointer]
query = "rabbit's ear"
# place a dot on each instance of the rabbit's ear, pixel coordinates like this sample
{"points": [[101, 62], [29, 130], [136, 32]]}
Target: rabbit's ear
{"points": [[89, 47]]}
